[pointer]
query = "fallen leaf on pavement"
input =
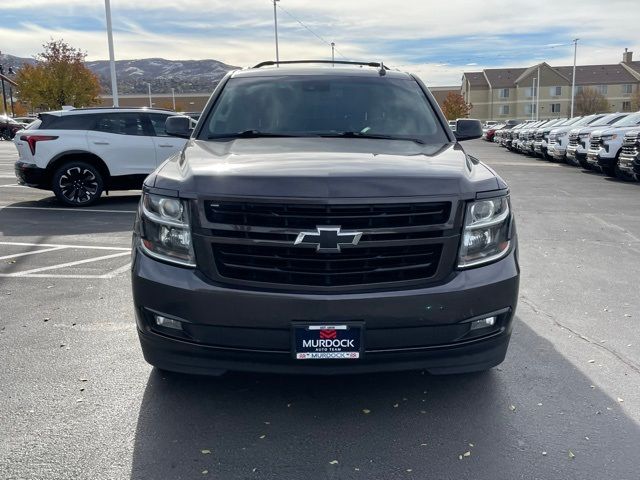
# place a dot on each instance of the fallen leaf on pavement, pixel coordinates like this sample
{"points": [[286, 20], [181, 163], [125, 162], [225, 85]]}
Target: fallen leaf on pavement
{"points": [[571, 455], [205, 452], [333, 462], [512, 408], [366, 411]]}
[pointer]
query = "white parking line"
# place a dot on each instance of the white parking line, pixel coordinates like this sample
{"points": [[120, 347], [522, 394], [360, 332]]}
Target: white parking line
{"points": [[88, 247], [63, 265], [117, 271], [32, 252], [80, 210]]}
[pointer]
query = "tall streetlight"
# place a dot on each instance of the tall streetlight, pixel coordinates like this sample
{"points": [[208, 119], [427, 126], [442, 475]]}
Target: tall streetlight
{"points": [[538, 96], [112, 61], [173, 96], [275, 24], [533, 97], [333, 53], [149, 86], [573, 77]]}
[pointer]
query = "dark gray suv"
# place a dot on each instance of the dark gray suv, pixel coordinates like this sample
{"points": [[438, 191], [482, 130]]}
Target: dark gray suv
{"points": [[324, 219]]}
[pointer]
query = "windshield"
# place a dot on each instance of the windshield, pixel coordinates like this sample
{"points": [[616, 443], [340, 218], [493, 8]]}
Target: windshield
{"points": [[609, 119], [629, 121], [324, 106]]}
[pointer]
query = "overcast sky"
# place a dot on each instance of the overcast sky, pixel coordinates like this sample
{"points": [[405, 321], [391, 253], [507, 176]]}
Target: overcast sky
{"points": [[437, 39]]}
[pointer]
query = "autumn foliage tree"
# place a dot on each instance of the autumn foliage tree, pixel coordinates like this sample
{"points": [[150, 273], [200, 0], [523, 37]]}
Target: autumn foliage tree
{"points": [[455, 107], [589, 101], [59, 77]]}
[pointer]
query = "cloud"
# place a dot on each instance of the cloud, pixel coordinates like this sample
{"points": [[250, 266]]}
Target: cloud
{"points": [[440, 40]]}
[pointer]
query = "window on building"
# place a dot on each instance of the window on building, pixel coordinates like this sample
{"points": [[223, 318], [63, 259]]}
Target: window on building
{"points": [[529, 92], [602, 89], [627, 89], [504, 109], [555, 91], [579, 89], [529, 108], [504, 93], [626, 106], [555, 108]]}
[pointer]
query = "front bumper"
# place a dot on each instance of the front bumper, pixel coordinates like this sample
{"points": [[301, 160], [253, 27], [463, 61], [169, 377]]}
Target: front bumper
{"points": [[235, 329], [557, 152], [31, 175], [629, 164]]}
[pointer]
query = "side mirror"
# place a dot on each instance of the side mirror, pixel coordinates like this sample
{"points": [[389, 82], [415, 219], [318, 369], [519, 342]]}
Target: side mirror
{"points": [[468, 129], [178, 126]]}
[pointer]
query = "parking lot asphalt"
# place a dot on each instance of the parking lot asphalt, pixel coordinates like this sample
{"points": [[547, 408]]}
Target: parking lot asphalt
{"points": [[78, 401]]}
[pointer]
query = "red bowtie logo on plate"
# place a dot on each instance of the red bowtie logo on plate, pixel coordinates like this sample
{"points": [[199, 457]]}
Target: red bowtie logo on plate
{"points": [[328, 334]]}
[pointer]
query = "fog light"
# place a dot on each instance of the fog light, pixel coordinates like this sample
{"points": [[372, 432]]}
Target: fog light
{"points": [[168, 322], [484, 323]]}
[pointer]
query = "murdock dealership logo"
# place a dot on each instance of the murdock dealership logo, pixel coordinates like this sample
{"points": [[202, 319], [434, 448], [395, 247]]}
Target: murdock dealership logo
{"points": [[335, 343]]}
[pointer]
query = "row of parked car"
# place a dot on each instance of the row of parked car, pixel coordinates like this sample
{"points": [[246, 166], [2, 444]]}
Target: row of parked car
{"points": [[606, 142]]}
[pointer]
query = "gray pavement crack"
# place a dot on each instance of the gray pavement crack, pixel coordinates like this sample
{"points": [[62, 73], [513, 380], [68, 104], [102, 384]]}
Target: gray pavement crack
{"points": [[630, 363]]}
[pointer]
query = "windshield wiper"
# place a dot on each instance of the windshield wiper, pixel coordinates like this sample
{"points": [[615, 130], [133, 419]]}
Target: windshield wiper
{"points": [[250, 134], [368, 135]]}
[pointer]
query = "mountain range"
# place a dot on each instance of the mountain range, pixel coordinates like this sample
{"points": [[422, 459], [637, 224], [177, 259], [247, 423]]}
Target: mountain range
{"points": [[186, 76]]}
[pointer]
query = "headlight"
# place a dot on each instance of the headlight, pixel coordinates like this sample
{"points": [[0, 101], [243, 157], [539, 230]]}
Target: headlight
{"points": [[165, 229], [612, 136], [561, 134], [485, 237], [584, 135]]}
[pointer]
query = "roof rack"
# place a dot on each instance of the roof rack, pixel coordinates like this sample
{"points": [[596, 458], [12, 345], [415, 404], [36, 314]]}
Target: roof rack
{"points": [[332, 62]]}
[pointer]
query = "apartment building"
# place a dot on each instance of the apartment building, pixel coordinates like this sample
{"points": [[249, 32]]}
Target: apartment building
{"points": [[504, 93]]}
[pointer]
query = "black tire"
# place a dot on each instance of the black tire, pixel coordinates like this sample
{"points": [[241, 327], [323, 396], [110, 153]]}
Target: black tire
{"points": [[77, 184]]}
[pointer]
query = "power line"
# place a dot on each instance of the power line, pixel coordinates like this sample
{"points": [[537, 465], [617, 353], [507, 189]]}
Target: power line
{"points": [[302, 24]]}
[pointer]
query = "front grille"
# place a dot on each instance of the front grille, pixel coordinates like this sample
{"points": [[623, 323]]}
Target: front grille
{"points": [[254, 242], [595, 142], [303, 266], [539, 136], [630, 144], [573, 139]]}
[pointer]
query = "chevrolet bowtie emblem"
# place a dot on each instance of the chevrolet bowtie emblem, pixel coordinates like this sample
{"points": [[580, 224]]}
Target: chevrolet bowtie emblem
{"points": [[328, 239]]}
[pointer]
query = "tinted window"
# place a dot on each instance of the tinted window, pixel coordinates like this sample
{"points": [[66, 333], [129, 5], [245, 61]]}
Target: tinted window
{"points": [[120, 123], [315, 105], [67, 122], [157, 121]]}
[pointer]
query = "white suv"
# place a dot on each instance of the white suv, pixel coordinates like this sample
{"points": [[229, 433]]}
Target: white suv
{"points": [[80, 153]]}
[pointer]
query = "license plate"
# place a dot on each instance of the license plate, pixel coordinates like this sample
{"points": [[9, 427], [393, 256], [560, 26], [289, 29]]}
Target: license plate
{"points": [[327, 342]]}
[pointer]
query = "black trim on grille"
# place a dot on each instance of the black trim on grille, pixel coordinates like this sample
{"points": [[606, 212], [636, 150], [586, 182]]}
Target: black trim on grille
{"points": [[251, 243]]}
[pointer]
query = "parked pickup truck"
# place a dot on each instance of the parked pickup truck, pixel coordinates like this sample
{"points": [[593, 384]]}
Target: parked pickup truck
{"points": [[579, 138], [606, 144], [542, 136], [559, 137]]}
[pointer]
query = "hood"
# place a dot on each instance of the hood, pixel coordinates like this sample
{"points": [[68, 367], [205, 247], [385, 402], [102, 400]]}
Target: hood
{"points": [[323, 168], [612, 129]]}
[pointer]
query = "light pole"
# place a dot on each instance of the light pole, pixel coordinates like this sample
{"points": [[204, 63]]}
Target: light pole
{"points": [[275, 24], [538, 96], [112, 61], [149, 86], [11, 72], [173, 96], [533, 98], [573, 77], [333, 53], [4, 95]]}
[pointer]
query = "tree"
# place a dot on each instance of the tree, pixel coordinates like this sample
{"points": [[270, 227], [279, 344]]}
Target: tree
{"points": [[455, 107], [635, 100], [589, 101], [59, 77]]}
